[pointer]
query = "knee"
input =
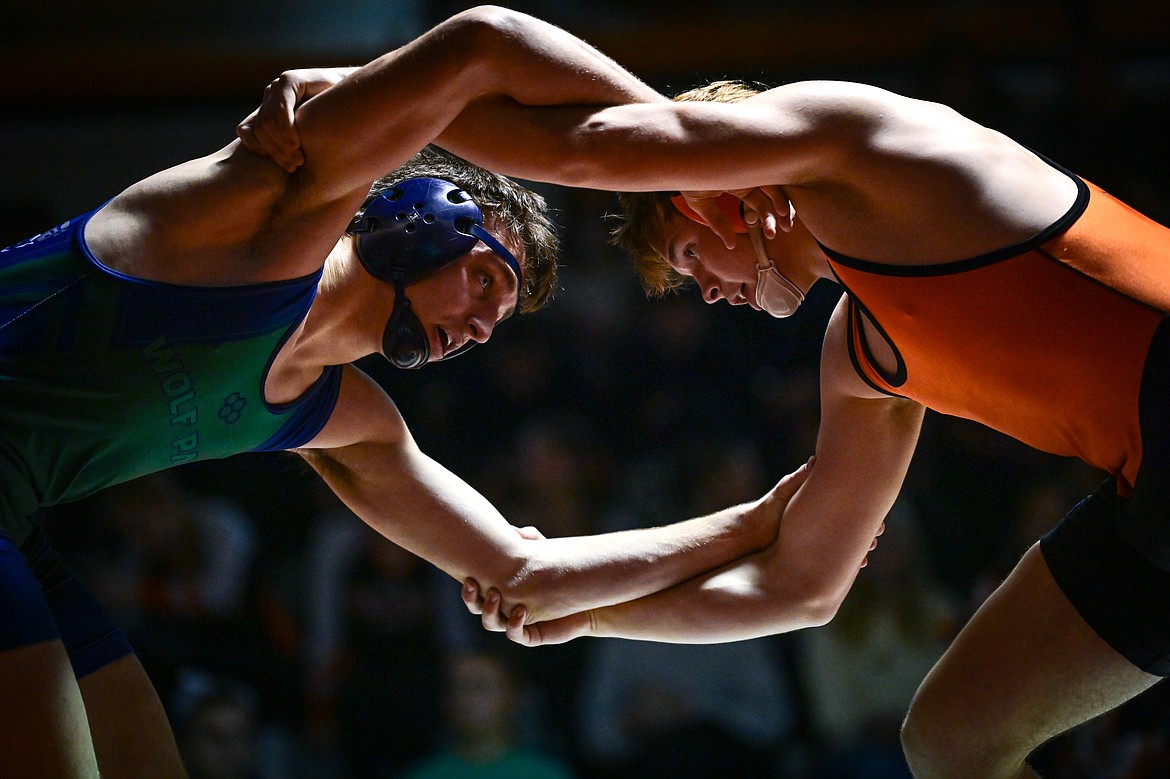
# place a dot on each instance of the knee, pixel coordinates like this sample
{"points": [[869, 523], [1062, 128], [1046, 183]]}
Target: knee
{"points": [[926, 740], [944, 737]]}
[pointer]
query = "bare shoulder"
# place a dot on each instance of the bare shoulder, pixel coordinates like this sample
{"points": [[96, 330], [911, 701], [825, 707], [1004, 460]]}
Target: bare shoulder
{"points": [[848, 108], [872, 131], [231, 217], [363, 414], [193, 223], [911, 182], [865, 132], [837, 140]]}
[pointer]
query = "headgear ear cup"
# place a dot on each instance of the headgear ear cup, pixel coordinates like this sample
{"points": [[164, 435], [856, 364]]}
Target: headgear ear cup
{"points": [[404, 342]]}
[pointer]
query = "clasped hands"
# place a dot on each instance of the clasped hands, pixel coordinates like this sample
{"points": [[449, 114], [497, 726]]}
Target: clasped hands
{"points": [[490, 608]]}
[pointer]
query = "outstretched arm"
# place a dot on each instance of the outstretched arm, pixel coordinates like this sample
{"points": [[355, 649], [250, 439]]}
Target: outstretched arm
{"points": [[382, 113], [523, 97], [232, 217], [863, 450], [380, 473]]}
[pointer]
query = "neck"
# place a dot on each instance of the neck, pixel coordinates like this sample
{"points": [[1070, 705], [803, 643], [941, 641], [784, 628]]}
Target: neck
{"points": [[349, 313], [804, 262]]}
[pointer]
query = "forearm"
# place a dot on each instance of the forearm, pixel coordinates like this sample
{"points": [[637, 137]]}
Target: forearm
{"points": [[439, 517], [418, 504], [743, 600], [572, 575], [539, 64], [863, 451], [548, 86], [567, 575], [395, 105]]}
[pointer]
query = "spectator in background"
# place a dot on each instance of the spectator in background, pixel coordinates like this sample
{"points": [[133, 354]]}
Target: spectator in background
{"points": [[684, 711], [554, 482], [861, 670], [178, 566], [653, 709], [217, 729], [481, 711], [193, 554], [374, 648]]}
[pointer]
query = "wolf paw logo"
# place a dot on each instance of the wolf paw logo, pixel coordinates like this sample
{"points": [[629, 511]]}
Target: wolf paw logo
{"points": [[233, 404]]}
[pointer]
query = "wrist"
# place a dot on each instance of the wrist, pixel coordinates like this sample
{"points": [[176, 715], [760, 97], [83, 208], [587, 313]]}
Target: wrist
{"points": [[752, 524]]}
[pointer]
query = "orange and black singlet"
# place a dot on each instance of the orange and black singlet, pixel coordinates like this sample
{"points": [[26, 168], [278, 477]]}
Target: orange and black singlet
{"points": [[1044, 341]]}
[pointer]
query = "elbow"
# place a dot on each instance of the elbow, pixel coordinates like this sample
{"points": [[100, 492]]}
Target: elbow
{"points": [[579, 163], [485, 36], [496, 51], [811, 603], [820, 611], [824, 588], [595, 153], [489, 17]]}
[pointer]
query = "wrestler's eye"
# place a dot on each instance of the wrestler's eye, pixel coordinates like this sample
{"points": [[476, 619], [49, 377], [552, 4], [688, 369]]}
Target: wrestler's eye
{"points": [[688, 259], [485, 281]]}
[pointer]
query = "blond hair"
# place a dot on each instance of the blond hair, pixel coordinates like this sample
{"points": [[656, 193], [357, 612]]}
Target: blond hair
{"points": [[642, 221]]}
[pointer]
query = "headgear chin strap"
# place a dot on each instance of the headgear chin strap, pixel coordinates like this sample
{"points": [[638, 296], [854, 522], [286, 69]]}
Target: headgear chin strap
{"points": [[775, 293], [408, 232]]}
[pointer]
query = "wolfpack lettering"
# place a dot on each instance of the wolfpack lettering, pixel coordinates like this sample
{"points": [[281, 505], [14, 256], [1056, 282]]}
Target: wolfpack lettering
{"points": [[38, 238], [179, 391]]}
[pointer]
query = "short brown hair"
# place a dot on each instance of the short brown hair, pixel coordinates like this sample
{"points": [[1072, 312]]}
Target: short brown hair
{"points": [[643, 217], [506, 206]]}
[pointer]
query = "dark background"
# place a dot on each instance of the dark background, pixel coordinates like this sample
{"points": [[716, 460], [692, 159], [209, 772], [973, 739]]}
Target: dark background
{"points": [[605, 410]]}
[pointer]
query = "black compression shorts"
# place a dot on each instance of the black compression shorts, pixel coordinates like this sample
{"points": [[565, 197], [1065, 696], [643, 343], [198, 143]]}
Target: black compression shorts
{"points": [[40, 600], [1111, 555]]}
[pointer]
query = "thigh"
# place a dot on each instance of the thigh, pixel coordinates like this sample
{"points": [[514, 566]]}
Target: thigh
{"points": [[1026, 668], [131, 733], [43, 727], [128, 724]]}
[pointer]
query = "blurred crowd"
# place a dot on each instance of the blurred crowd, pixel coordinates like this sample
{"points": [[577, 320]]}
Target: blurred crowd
{"points": [[289, 641]]}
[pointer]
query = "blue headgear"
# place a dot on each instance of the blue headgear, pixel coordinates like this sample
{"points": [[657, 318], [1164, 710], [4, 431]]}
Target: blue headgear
{"points": [[408, 232]]}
